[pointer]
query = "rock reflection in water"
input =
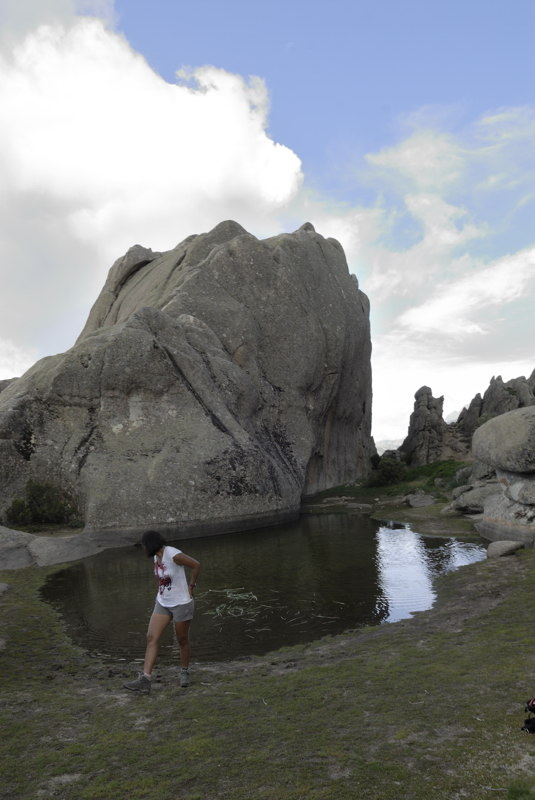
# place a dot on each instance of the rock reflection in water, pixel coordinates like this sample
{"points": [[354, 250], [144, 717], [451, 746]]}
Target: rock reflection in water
{"points": [[261, 590]]}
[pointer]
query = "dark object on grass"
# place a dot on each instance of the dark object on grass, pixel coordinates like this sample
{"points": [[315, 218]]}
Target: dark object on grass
{"points": [[529, 723], [530, 706]]}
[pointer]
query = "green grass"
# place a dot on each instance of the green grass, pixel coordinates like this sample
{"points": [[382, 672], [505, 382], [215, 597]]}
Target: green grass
{"points": [[424, 477], [386, 503], [439, 469], [428, 707]]}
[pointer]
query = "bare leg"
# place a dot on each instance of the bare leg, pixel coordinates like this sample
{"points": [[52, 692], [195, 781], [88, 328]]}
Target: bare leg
{"points": [[182, 635], [157, 624]]}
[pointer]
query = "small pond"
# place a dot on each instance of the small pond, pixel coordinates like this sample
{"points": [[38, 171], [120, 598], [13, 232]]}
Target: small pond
{"points": [[261, 590]]}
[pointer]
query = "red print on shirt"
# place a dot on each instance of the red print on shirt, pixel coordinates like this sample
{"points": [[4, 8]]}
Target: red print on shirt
{"points": [[164, 580]]}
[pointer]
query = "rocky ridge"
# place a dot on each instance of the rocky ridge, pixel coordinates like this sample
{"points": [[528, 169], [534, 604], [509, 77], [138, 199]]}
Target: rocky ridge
{"points": [[430, 438], [495, 435]]}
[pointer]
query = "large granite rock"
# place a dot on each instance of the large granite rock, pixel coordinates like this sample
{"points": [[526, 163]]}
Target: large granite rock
{"points": [[212, 386], [507, 443]]}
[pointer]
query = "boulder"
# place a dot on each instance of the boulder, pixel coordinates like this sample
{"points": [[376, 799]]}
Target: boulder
{"points": [[47, 550], [520, 488], [212, 387], [14, 551], [470, 499], [507, 442], [482, 472], [419, 500], [503, 548], [19, 549], [463, 475], [504, 519]]}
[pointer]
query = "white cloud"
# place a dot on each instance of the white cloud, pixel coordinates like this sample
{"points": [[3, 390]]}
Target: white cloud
{"points": [[507, 125], [19, 17], [449, 310], [454, 308], [443, 230], [97, 152], [15, 360], [428, 160], [84, 118]]}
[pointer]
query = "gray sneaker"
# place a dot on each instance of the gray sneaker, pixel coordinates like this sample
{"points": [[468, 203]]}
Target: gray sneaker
{"points": [[141, 684], [184, 677]]}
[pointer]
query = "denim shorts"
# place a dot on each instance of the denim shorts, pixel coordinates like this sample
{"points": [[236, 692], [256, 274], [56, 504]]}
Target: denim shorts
{"points": [[180, 613]]}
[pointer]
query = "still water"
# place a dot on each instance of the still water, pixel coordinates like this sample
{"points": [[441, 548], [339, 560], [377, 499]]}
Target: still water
{"points": [[263, 589]]}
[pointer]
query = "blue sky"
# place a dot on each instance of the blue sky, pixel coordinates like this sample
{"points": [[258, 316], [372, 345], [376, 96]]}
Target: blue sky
{"points": [[404, 128], [343, 75]]}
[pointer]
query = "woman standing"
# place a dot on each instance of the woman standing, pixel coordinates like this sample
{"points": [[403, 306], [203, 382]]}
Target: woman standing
{"points": [[174, 601]]}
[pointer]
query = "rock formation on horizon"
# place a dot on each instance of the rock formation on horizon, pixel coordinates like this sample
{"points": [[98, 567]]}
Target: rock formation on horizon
{"points": [[423, 443], [212, 387], [431, 439], [499, 398]]}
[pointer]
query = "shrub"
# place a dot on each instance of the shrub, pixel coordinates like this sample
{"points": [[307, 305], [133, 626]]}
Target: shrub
{"points": [[389, 470], [42, 503], [520, 791], [18, 513]]}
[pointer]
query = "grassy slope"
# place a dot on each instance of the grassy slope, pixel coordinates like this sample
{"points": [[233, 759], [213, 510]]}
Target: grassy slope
{"points": [[429, 707]]}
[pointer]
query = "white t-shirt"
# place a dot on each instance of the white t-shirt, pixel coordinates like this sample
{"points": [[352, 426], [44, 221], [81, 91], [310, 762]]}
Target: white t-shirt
{"points": [[173, 587]]}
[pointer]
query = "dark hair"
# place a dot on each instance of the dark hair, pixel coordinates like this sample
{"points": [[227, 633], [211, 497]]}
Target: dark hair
{"points": [[152, 541]]}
